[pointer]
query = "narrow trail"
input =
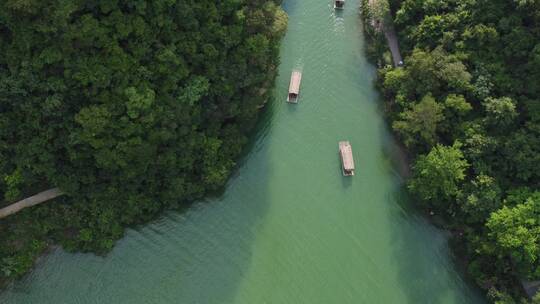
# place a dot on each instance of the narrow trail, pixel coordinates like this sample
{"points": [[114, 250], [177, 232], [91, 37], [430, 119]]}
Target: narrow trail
{"points": [[30, 201], [386, 25], [393, 44]]}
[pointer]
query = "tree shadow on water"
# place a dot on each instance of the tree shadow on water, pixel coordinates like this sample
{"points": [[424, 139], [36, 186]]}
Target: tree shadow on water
{"points": [[289, 6], [426, 270], [214, 248], [196, 256]]}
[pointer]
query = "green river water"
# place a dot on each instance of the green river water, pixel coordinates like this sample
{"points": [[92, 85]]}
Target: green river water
{"points": [[289, 228]]}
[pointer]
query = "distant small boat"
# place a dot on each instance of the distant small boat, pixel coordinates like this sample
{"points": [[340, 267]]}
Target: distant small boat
{"points": [[294, 87], [347, 161], [339, 4]]}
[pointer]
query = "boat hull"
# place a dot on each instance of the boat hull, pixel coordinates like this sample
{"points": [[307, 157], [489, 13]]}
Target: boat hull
{"points": [[292, 100]]}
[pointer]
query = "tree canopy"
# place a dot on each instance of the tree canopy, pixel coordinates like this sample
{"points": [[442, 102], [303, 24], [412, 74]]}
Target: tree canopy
{"points": [[437, 176], [471, 75], [515, 232], [128, 106]]}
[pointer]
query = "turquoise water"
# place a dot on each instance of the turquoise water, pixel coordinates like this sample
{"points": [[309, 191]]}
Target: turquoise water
{"points": [[289, 228]]}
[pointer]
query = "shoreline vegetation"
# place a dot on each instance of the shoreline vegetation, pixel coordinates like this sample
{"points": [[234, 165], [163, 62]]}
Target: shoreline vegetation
{"points": [[128, 107], [466, 106]]}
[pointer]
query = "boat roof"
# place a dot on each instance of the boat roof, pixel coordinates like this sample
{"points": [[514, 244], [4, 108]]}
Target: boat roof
{"points": [[294, 86], [346, 155]]}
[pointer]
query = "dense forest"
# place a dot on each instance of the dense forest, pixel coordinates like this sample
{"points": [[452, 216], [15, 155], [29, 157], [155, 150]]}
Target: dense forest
{"points": [[466, 105], [128, 106]]}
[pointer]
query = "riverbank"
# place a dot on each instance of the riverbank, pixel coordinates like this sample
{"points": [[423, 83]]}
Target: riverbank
{"points": [[441, 106], [287, 220], [140, 113]]}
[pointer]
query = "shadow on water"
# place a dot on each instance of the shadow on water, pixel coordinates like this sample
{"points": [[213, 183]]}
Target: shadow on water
{"points": [[426, 270], [198, 256], [292, 108], [346, 181], [290, 7], [204, 254], [220, 251]]}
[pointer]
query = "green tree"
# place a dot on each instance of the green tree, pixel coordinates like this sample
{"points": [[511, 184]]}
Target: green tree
{"points": [[501, 112], [431, 72], [493, 111], [536, 298], [481, 197], [437, 176], [478, 145], [515, 232], [456, 108], [128, 106], [418, 125], [521, 152], [457, 105]]}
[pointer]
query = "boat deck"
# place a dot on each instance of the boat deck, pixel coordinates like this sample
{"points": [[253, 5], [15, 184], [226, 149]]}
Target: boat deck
{"points": [[347, 160], [294, 87]]}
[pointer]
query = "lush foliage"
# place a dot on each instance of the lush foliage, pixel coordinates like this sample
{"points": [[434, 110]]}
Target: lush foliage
{"points": [[438, 175], [129, 106], [376, 14], [467, 106]]}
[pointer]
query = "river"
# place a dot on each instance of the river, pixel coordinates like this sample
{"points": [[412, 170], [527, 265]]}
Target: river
{"points": [[289, 228]]}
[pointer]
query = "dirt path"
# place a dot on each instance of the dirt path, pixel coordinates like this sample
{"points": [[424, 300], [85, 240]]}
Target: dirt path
{"points": [[30, 201], [389, 32], [391, 37]]}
